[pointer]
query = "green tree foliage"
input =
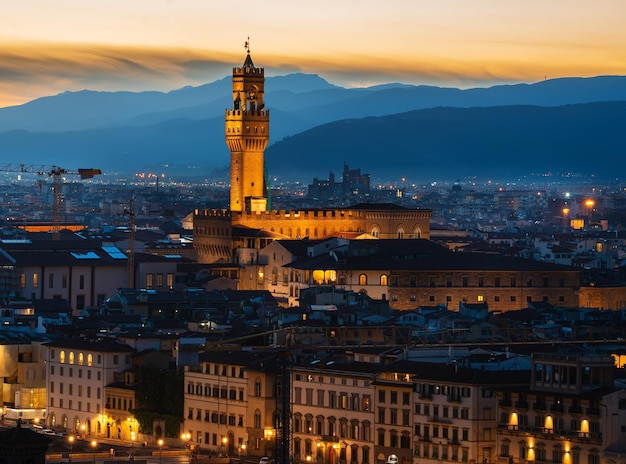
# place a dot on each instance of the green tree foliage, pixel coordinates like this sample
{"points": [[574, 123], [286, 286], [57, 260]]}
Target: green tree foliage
{"points": [[159, 396]]}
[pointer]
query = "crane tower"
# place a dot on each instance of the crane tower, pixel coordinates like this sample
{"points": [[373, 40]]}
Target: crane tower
{"points": [[57, 174]]}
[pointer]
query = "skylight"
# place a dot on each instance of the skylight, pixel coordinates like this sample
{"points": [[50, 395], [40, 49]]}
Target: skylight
{"points": [[87, 255], [114, 252]]}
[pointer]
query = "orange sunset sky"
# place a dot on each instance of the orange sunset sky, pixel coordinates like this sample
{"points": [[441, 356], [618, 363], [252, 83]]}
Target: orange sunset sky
{"points": [[49, 47]]}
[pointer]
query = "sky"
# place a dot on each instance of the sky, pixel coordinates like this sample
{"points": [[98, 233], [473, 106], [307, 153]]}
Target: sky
{"points": [[48, 47]]}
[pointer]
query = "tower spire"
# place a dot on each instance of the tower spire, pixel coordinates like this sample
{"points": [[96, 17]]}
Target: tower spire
{"points": [[247, 45]]}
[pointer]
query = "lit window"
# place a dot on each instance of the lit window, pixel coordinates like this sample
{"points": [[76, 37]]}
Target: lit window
{"points": [[71, 357], [62, 357]]}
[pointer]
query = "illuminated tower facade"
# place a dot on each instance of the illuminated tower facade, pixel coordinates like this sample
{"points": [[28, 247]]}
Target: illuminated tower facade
{"points": [[247, 136]]}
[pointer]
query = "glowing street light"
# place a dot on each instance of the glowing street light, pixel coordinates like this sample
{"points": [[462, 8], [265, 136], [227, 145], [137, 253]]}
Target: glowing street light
{"points": [[94, 446], [160, 450], [224, 444], [589, 204], [71, 440]]}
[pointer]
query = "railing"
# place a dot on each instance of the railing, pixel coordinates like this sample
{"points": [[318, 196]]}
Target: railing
{"points": [[571, 434], [443, 420], [521, 404], [505, 403]]}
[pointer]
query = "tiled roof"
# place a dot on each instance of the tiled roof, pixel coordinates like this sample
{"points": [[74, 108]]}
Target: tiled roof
{"points": [[101, 345]]}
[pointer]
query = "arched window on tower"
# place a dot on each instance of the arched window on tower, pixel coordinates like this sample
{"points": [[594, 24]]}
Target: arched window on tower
{"points": [[363, 279]]}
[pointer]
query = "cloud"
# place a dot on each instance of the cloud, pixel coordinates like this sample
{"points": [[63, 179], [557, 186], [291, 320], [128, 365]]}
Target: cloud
{"points": [[33, 70], [30, 71]]}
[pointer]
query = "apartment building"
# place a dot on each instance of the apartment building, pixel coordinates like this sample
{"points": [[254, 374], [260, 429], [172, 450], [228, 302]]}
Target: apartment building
{"points": [[455, 412], [333, 411], [231, 401], [571, 412], [413, 273], [78, 372]]}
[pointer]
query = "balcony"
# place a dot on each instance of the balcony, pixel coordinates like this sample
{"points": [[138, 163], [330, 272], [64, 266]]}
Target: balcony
{"points": [[506, 403], [425, 396], [557, 407], [454, 399], [593, 411], [539, 406], [521, 404], [441, 420], [575, 410]]}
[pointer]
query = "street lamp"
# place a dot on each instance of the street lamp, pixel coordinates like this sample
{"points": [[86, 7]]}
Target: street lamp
{"points": [[224, 443], [160, 450], [565, 213], [132, 441], [94, 445], [589, 204], [71, 440], [82, 430]]}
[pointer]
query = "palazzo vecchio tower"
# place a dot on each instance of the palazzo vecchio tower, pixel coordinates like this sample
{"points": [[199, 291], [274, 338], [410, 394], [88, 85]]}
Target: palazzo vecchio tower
{"points": [[235, 235], [247, 135]]}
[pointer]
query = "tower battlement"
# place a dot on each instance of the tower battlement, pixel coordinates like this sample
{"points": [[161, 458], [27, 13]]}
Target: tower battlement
{"points": [[263, 114], [248, 71], [215, 213]]}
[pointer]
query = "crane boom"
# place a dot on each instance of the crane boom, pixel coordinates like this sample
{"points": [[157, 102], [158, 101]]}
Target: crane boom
{"points": [[57, 185]]}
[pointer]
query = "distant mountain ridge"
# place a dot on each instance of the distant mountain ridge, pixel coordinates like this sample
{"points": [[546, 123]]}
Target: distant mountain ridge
{"points": [[126, 131], [504, 142]]}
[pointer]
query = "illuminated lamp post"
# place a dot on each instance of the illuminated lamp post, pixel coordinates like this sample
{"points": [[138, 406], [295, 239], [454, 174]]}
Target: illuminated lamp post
{"points": [[589, 204], [94, 446], [160, 450], [224, 444], [71, 440], [565, 213]]}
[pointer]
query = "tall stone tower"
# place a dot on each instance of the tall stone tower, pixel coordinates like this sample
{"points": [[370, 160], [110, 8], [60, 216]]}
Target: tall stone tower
{"points": [[247, 134]]}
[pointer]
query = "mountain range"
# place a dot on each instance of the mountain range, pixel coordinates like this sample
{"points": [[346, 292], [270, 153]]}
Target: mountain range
{"points": [[570, 125]]}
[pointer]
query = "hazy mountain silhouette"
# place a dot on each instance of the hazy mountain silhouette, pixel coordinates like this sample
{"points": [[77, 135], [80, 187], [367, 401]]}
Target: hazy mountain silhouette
{"points": [[447, 143], [126, 131]]}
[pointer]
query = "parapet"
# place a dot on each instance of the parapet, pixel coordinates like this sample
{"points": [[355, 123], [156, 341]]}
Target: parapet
{"points": [[258, 113], [213, 213], [247, 70]]}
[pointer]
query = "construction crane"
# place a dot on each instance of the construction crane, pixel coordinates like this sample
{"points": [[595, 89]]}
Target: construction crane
{"points": [[57, 174]]}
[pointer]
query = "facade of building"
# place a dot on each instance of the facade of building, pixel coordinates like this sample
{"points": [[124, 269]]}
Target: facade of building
{"points": [[78, 373], [356, 409], [570, 413], [230, 403], [415, 273]]}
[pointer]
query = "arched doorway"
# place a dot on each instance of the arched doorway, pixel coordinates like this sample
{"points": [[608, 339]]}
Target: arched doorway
{"points": [[332, 455], [231, 443]]}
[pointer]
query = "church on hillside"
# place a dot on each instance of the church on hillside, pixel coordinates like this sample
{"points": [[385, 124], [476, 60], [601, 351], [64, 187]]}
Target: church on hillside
{"points": [[235, 235]]}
